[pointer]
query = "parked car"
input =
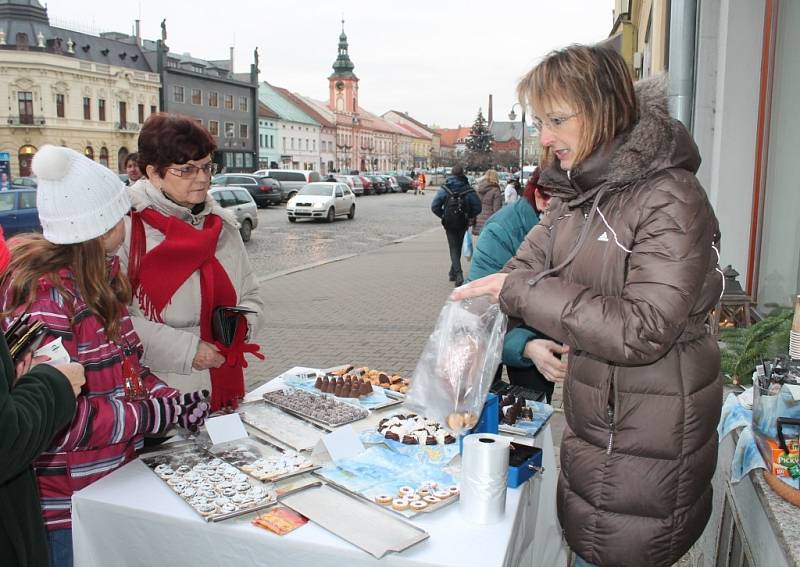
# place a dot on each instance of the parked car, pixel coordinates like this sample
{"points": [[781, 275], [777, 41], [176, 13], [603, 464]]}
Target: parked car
{"points": [[241, 203], [325, 199], [391, 183], [265, 191], [291, 180], [18, 212], [25, 182], [367, 183], [352, 181], [378, 184], [405, 182]]}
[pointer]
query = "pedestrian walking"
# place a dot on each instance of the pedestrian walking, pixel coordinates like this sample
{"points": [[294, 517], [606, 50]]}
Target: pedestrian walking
{"points": [[623, 270], [491, 199], [457, 204], [512, 191], [422, 181]]}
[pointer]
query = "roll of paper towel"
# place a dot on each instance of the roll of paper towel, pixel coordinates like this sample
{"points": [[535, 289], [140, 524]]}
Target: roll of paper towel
{"points": [[484, 468]]}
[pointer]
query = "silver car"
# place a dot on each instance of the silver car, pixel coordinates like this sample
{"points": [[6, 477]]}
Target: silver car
{"points": [[353, 181], [323, 200], [239, 201]]}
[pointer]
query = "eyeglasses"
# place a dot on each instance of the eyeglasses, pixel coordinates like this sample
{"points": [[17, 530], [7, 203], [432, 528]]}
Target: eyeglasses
{"points": [[552, 122], [190, 171]]}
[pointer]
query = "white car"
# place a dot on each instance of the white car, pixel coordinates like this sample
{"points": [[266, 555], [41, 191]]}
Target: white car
{"points": [[323, 200]]}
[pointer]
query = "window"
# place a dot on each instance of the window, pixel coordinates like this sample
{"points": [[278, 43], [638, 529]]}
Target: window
{"points": [[141, 113], [213, 99], [306, 144], [177, 93], [242, 104], [292, 143], [197, 96], [229, 130], [152, 109], [271, 141], [283, 147], [243, 130], [60, 105], [228, 102], [103, 156], [27, 200], [87, 108], [6, 201], [101, 109], [25, 107], [261, 140], [213, 127], [123, 114]]}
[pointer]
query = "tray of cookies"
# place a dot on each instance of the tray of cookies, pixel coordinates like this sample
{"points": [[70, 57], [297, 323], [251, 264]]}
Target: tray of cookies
{"points": [[394, 384], [348, 387], [294, 432], [216, 490], [262, 460], [318, 409]]}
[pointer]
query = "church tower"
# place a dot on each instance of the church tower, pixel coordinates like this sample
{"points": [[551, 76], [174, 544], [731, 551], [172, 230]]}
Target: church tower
{"points": [[343, 84]]}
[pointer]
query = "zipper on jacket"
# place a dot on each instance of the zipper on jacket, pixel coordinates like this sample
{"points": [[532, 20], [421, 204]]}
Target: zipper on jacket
{"points": [[611, 430], [612, 400]]}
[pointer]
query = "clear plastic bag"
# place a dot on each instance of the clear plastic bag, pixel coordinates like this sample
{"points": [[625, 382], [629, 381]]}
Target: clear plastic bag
{"points": [[452, 378]]}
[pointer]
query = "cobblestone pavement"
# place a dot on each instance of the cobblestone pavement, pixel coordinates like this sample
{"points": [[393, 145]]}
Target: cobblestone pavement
{"points": [[277, 245]]}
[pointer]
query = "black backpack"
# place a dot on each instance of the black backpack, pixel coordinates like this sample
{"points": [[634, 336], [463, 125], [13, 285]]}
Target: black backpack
{"points": [[454, 212]]}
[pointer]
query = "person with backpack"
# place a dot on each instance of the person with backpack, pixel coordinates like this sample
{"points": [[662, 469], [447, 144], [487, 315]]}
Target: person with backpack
{"points": [[457, 205]]}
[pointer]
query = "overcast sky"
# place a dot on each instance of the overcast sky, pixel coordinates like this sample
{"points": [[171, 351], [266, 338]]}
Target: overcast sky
{"points": [[437, 59]]}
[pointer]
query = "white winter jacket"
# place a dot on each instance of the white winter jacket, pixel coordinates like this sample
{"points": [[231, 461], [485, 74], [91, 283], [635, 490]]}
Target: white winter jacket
{"points": [[170, 347]]}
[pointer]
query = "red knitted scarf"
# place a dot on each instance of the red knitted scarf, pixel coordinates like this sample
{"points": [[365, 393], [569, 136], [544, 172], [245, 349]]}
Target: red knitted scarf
{"points": [[156, 275]]}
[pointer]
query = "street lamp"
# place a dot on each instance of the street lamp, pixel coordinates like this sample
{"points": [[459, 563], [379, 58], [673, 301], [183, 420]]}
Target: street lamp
{"points": [[513, 116]]}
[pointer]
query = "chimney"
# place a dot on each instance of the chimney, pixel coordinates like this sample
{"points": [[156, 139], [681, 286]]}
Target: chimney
{"points": [[138, 34], [231, 59], [489, 118]]}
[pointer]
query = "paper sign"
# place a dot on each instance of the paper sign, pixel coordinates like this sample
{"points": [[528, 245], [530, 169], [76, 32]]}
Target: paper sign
{"points": [[225, 428], [55, 351], [342, 443]]}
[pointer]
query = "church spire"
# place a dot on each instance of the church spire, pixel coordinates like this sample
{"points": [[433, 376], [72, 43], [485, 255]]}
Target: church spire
{"points": [[343, 67]]}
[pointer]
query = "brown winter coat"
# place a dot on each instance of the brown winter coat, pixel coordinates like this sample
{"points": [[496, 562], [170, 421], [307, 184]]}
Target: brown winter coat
{"points": [[642, 396], [491, 197]]}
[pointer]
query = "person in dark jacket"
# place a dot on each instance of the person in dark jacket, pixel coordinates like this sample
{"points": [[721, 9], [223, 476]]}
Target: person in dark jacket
{"points": [[455, 185], [532, 360], [35, 403], [622, 269], [491, 196]]}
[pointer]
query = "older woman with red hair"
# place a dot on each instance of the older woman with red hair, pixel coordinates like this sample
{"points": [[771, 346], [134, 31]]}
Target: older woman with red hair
{"points": [[185, 258]]}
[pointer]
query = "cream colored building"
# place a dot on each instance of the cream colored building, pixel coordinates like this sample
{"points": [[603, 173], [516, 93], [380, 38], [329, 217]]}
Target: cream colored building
{"points": [[71, 89], [641, 35]]}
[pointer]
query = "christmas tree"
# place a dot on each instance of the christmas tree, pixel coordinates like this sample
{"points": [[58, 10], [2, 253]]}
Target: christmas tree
{"points": [[479, 145]]}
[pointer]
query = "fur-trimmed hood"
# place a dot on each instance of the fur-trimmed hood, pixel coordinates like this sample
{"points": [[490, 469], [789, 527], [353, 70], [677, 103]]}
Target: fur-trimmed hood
{"points": [[144, 194], [656, 142]]}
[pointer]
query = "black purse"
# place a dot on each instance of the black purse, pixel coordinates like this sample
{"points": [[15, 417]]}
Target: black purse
{"points": [[225, 321], [22, 337]]}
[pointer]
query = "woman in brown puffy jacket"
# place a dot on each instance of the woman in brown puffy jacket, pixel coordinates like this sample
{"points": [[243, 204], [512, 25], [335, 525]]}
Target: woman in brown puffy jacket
{"points": [[623, 270], [491, 197]]}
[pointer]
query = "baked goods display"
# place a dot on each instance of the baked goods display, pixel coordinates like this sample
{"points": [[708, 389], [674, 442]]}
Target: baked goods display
{"points": [[413, 429], [347, 386], [323, 409], [514, 408], [213, 488], [429, 494], [379, 378], [263, 463]]}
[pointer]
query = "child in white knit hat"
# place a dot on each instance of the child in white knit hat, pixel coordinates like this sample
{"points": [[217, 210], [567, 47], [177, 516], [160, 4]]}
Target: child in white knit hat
{"points": [[69, 278]]}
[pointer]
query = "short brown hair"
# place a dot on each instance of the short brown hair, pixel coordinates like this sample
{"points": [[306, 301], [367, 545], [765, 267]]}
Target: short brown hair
{"points": [[596, 81], [172, 138]]}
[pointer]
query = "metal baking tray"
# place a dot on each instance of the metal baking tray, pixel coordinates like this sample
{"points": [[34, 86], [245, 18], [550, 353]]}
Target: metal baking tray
{"points": [[271, 421], [368, 527], [242, 453], [190, 456], [363, 413]]}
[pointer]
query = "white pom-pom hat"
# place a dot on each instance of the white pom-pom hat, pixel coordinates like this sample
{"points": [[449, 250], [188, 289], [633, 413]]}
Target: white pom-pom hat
{"points": [[78, 199]]}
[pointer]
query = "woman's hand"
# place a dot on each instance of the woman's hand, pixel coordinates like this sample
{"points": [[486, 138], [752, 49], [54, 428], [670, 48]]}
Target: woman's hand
{"points": [[207, 356], [27, 362], [75, 374], [546, 355], [490, 285]]}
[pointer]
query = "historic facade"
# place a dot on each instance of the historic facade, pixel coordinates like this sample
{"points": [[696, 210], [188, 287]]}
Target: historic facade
{"points": [[64, 87]]}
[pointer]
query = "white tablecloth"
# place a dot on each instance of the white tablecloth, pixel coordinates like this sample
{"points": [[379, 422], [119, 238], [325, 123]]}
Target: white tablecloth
{"points": [[132, 518]]}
